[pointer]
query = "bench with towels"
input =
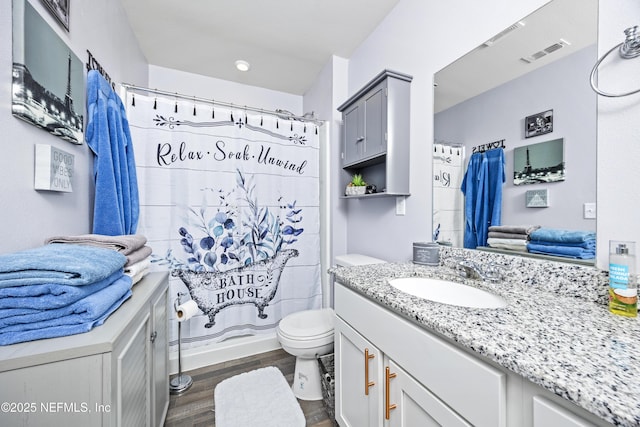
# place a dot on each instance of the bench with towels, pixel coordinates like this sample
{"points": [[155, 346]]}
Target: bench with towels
{"points": [[68, 286]]}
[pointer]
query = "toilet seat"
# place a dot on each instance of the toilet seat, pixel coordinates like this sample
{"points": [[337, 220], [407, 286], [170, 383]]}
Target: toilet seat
{"points": [[307, 325]]}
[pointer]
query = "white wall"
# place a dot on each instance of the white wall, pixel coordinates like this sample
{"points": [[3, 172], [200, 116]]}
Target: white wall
{"points": [[562, 86], [28, 217], [323, 98], [170, 80]]}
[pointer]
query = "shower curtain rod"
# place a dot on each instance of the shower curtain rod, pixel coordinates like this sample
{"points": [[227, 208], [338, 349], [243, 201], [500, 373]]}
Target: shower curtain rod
{"points": [[285, 115]]}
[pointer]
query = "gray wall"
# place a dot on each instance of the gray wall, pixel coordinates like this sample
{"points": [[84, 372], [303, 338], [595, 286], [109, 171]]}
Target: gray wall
{"points": [[28, 217], [499, 114]]}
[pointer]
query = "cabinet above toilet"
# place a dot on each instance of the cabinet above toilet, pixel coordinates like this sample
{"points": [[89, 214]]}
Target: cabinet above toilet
{"points": [[375, 134]]}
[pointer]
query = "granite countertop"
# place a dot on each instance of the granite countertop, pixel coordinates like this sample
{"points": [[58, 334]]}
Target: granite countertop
{"points": [[556, 330]]}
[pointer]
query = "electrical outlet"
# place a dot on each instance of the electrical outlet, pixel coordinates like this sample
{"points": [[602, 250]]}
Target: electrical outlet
{"points": [[401, 205], [589, 211]]}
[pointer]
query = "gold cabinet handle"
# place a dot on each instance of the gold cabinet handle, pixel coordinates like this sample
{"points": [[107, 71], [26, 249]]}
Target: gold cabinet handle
{"points": [[367, 383], [387, 406]]}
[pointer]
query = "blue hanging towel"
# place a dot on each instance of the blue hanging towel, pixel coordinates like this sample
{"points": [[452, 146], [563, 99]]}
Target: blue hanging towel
{"points": [[473, 185], [482, 187], [496, 177], [116, 206]]}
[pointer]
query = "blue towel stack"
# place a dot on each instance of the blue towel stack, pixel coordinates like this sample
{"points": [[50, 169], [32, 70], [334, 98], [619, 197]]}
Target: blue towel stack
{"points": [[563, 243], [58, 290]]}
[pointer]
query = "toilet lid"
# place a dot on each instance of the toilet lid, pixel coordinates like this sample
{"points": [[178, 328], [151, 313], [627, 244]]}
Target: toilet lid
{"points": [[308, 323]]}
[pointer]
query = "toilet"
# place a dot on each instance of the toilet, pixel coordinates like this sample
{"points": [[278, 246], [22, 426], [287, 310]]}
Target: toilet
{"points": [[309, 333]]}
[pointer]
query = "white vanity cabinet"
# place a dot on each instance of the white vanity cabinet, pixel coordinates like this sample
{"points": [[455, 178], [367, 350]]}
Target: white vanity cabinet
{"points": [[418, 378], [115, 375], [546, 413], [375, 391], [542, 408]]}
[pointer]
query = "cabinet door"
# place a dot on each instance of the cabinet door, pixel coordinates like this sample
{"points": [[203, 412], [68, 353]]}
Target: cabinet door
{"points": [[353, 148], [160, 360], [375, 122], [133, 387], [414, 405], [358, 366], [546, 413]]}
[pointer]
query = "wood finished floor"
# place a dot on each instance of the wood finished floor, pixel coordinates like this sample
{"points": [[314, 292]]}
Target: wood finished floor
{"points": [[194, 408]]}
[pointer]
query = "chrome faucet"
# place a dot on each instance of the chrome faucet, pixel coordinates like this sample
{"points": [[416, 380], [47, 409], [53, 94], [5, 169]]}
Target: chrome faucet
{"points": [[471, 270]]}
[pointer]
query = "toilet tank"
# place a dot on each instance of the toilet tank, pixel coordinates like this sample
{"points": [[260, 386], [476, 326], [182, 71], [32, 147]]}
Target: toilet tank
{"points": [[350, 260]]}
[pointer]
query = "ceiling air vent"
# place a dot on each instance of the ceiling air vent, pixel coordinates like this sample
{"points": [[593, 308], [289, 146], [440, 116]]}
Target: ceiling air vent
{"points": [[503, 33], [544, 52]]}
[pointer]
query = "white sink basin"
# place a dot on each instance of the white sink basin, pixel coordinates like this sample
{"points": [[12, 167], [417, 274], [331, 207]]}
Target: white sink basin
{"points": [[446, 292]]}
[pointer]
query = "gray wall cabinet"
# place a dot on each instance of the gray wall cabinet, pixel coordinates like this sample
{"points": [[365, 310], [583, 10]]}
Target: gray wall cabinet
{"points": [[375, 137], [115, 375]]}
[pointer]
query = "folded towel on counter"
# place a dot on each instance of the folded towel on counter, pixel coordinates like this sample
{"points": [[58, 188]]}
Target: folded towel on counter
{"points": [[49, 295], [135, 278], [562, 236], [137, 267], [138, 270], [124, 244], [138, 255], [587, 244], [562, 251], [511, 244], [61, 264], [13, 337], [82, 312], [519, 229], [501, 235], [8, 312]]}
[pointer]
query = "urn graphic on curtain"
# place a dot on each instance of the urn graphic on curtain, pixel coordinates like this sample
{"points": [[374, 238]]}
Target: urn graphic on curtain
{"points": [[229, 201]]}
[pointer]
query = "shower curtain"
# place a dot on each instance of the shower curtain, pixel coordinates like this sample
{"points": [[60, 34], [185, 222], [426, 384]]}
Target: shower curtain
{"points": [[448, 221], [229, 201], [482, 188]]}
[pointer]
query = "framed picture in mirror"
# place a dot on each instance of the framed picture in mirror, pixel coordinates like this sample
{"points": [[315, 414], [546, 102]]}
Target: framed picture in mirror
{"points": [[539, 163], [538, 124]]}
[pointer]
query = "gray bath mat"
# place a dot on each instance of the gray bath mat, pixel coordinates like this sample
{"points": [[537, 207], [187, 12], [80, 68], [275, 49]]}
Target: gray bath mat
{"points": [[257, 398]]}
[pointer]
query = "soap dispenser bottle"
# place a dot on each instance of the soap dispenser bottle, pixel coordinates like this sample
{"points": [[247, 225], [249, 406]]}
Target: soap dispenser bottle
{"points": [[623, 288]]}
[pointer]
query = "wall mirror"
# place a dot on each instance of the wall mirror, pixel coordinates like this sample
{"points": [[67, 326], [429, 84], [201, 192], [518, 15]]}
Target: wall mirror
{"points": [[526, 86]]}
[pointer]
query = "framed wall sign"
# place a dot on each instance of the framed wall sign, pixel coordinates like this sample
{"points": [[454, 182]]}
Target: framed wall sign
{"points": [[538, 124]]}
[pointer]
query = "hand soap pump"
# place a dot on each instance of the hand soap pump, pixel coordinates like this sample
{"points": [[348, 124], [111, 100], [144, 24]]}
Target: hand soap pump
{"points": [[623, 288]]}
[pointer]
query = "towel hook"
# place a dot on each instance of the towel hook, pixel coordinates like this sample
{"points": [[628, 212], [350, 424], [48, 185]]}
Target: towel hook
{"points": [[628, 49]]}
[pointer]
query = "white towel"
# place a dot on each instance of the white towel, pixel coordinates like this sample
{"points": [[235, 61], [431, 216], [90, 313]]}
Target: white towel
{"points": [[511, 244]]}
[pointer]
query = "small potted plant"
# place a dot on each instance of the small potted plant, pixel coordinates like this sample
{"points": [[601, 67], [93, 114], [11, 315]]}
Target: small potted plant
{"points": [[357, 186]]}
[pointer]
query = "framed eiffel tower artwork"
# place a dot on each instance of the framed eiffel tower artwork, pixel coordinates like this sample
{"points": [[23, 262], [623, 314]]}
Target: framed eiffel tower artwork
{"points": [[48, 78], [539, 163]]}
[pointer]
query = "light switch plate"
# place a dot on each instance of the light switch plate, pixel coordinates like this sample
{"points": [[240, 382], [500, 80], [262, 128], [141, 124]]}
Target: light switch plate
{"points": [[589, 210], [401, 205]]}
